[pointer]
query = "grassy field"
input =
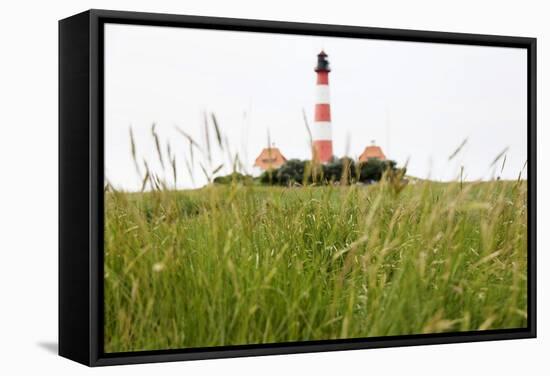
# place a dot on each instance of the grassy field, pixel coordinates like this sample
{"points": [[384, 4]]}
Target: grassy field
{"points": [[230, 265]]}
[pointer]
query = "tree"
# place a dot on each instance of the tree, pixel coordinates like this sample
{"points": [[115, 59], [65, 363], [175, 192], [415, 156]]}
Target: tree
{"points": [[373, 169], [291, 172], [344, 170]]}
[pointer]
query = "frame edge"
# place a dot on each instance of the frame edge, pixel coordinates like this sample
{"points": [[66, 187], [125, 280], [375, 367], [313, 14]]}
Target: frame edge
{"points": [[74, 221]]}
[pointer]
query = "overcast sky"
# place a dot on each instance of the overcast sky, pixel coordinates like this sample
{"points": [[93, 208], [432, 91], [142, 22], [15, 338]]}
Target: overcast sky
{"points": [[419, 101]]}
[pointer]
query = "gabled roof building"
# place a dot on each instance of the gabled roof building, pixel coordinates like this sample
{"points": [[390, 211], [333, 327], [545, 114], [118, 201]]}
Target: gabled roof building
{"points": [[270, 158], [372, 152]]}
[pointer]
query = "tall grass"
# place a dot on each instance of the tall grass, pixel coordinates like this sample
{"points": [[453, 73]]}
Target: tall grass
{"points": [[245, 264]]}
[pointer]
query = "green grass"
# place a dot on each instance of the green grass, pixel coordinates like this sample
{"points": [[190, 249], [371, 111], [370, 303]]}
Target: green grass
{"points": [[247, 264]]}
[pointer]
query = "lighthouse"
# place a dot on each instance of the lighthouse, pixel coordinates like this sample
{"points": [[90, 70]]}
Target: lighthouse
{"points": [[322, 129]]}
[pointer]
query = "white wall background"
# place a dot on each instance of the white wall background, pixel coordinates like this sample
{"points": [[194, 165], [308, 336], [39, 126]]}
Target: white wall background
{"points": [[28, 199]]}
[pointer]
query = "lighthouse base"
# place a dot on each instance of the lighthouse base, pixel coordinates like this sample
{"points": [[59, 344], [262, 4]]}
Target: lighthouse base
{"points": [[322, 151]]}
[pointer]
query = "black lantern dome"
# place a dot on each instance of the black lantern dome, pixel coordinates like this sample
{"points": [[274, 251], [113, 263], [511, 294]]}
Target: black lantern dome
{"points": [[322, 62]]}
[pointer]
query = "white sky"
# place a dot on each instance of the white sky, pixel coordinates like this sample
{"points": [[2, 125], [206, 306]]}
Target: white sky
{"points": [[419, 101]]}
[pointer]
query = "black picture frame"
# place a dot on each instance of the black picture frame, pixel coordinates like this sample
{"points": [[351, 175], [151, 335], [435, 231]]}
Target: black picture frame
{"points": [[81, 185]]}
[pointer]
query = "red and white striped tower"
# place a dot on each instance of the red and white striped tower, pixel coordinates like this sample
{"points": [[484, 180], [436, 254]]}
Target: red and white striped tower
{"points": [[322, 129]]}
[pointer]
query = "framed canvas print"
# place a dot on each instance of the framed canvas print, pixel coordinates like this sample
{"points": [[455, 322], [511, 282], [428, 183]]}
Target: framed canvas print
{"points": [[234, 187]]}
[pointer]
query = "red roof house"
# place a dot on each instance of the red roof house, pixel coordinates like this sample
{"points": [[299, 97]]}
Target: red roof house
{"points": [[270, 158], [372, 152]]}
